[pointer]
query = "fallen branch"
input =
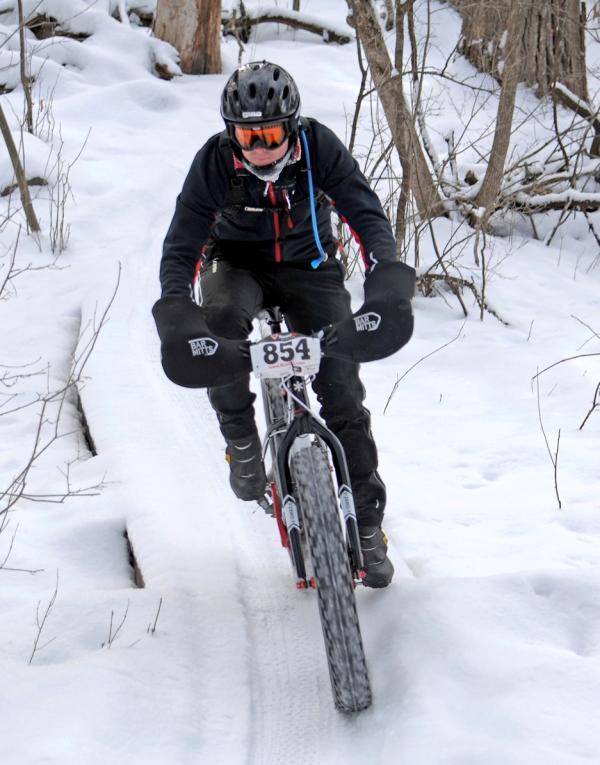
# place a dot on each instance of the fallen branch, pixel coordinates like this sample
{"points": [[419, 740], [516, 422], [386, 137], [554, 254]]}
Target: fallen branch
{"points": [[240, 25], [583, 109], [575, 199], [456, 284]]}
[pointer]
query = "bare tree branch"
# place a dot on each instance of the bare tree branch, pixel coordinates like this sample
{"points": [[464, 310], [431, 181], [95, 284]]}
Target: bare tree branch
{"points": [[553, 457], [30, 215], [42, 623], [428, 355], [388, 81]]}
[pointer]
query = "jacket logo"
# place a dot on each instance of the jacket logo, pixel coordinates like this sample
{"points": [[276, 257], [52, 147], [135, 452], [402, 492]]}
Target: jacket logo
{"points": [[203, 346], [367, 322], [246, 115]]}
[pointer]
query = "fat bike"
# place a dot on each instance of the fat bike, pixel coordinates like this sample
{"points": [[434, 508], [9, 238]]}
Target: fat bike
{"points": [[311, 500]]}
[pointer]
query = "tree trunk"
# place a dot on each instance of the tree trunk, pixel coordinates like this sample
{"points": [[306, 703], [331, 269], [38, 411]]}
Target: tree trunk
{"points": [[552, 41], [510, 78], [389, 89], [194, 28]]}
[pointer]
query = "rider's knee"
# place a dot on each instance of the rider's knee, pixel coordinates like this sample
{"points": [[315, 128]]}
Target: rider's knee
{"points": [[228, 321]]}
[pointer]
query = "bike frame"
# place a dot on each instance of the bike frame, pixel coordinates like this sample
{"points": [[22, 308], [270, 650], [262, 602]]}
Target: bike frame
{"points": [[301, 422]]}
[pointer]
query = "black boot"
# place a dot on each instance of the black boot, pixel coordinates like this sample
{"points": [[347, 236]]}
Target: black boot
{"points": [[378, 566], [247, 473]]}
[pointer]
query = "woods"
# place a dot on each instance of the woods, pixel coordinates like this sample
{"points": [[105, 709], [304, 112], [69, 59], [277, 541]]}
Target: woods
{"points": [[400, 120], [147, 614], [533, 44], [551, 40]]}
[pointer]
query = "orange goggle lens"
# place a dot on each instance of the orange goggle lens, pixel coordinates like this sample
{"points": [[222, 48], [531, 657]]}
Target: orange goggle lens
{"points": [[269, 136]]}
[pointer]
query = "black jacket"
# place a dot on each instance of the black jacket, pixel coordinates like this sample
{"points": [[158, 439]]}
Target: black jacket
{"points": [[223, 207]]}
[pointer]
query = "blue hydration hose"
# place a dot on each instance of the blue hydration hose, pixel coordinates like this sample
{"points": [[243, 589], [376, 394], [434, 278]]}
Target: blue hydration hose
{"points": [[313, 213]]}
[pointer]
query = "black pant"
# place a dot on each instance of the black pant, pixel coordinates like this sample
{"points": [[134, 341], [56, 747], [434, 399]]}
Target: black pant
{"points": [[310, 299]]}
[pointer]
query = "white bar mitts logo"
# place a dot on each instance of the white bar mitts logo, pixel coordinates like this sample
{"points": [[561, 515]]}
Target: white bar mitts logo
{"points": [[203, 346], [367, 322]]}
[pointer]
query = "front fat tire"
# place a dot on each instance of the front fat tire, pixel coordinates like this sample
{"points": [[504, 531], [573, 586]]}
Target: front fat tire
{"points": [[273, 400], [337, 607]]}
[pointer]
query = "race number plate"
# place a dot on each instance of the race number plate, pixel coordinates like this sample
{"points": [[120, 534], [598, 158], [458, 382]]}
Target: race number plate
{"points": [[286, 354]]}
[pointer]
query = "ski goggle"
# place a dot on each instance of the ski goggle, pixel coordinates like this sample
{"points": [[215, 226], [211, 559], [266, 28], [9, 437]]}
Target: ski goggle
{"points": [[266, 136]]}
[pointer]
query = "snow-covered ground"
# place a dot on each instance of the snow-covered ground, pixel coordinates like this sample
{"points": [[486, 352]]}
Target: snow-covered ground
{"points": [[486, 648]]}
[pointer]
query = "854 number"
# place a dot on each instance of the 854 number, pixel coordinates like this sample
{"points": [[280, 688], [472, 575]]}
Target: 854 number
{"points": [[286, 351]]}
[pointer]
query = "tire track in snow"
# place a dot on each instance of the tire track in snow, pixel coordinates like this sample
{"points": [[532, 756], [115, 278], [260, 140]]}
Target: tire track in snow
{"points": [[291, 717]]}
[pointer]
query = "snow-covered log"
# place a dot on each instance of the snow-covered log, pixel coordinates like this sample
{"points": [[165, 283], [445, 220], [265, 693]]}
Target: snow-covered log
{"points": [[583, 109], [240, 21], [571, 198]]}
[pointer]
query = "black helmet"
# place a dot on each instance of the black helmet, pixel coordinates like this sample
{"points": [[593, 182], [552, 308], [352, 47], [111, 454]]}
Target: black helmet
{"points": [[259, 93]]}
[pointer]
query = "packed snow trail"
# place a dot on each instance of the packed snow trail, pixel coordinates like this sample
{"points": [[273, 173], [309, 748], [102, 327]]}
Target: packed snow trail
{"points": [[259, 679], [189, 532], [488, 653]]}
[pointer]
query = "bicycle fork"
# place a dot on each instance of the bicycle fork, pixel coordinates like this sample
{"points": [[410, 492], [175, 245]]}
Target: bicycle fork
{"points": [[307, 425]]}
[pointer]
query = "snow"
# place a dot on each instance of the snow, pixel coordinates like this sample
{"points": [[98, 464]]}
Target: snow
{"points": [[36, 156], [111, 52], [343, 30], [486, 648]]}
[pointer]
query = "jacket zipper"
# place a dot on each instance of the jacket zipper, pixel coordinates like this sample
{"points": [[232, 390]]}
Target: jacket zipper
{"points": [[276, 224], [290, 222]]}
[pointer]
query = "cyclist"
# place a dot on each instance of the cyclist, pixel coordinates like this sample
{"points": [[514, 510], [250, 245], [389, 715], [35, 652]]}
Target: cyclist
{"points": [[245, 209]]}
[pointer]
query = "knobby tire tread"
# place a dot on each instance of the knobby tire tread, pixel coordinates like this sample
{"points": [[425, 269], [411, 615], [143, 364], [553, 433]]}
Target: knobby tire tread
{"points": [[335, 591], [274, 399]]}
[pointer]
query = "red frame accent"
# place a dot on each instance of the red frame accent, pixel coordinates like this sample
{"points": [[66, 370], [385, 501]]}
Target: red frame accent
{"points": [[285, 542]]}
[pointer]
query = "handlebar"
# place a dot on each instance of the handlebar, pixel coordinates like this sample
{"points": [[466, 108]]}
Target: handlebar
{"points": [[193, 357]]}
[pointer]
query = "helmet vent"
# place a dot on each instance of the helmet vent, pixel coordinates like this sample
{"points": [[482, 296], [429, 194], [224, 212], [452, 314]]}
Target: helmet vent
{"points": [[260, 92]]}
